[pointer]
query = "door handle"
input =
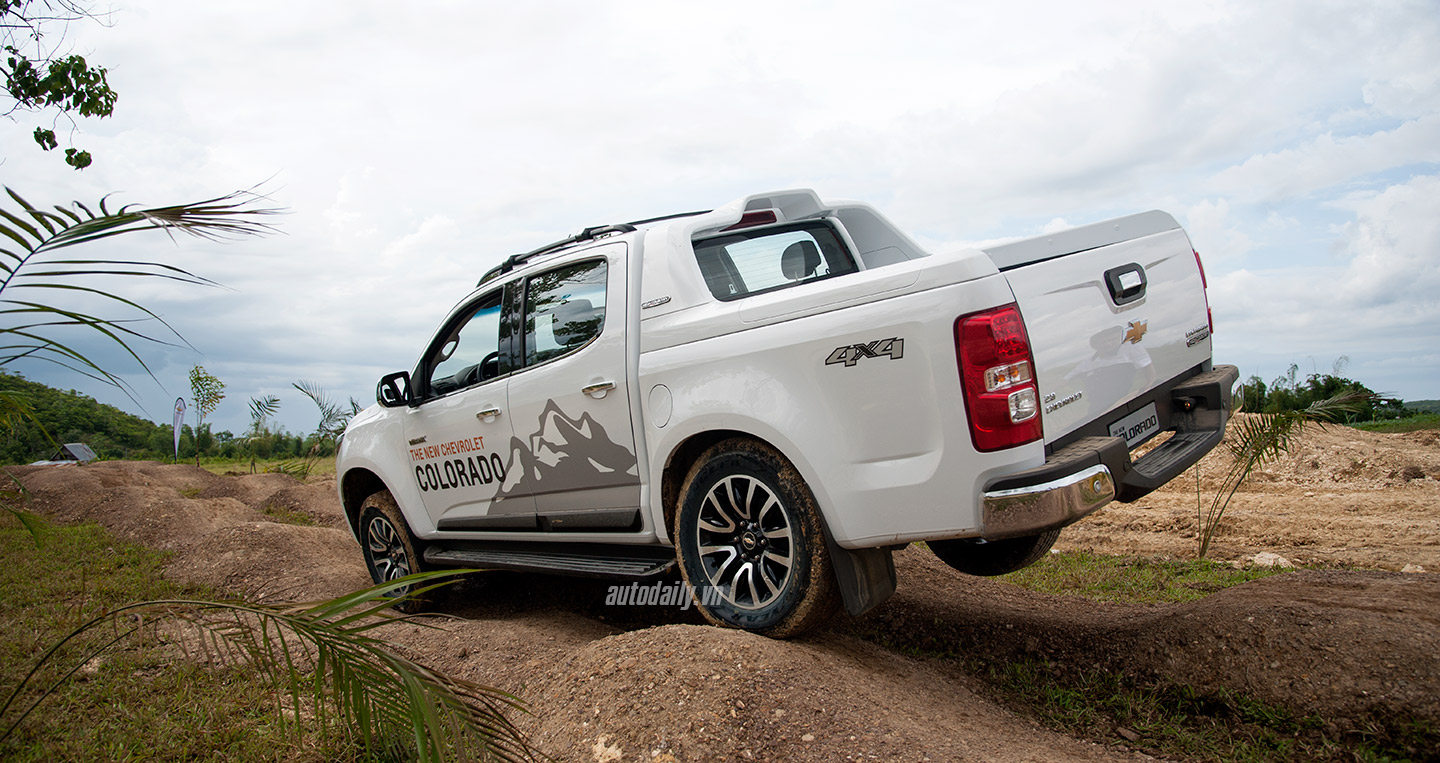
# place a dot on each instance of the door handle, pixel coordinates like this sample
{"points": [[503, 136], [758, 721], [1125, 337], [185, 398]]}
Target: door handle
{"points": [[598, 389], [488, 413]]}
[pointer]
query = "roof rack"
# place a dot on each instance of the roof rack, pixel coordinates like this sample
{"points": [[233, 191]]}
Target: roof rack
{"points": [[588, 234]]}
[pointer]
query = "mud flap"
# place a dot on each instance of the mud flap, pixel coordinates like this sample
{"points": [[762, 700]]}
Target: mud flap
{"points": [[866, 576]]}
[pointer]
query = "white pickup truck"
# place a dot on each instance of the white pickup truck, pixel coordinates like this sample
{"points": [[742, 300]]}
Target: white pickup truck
{"points": [[777, 393]]}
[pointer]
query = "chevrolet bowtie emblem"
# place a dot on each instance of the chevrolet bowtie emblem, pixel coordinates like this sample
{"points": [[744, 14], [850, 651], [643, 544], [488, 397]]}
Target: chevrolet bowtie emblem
{"points": [[1135, 331]]}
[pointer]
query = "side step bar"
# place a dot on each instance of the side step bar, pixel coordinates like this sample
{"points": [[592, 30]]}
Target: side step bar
{"points": [[590, 560]]}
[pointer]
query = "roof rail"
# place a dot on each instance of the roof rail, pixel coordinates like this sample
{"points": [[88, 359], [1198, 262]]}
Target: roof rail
{"points": [[588, 234]]}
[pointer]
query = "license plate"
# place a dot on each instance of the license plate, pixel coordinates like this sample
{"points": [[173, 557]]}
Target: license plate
{"points": [[1138, 426]]}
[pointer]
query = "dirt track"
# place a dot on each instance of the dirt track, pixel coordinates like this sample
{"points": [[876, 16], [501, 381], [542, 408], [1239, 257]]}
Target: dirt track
{"points": [[653, 683]]}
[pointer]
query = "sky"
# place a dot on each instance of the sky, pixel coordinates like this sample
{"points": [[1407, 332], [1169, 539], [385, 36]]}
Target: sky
{"points": [[414, 145]]}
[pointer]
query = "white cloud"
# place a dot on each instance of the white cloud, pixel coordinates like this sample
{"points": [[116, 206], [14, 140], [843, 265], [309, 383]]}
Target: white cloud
{"points": [[1213, 233], [415, 147], [1380, 304], [1327, 161]]}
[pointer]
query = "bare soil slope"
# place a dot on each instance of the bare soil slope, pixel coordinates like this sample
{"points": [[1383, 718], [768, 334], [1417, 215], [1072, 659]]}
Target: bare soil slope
{"points": [[654, 683]]}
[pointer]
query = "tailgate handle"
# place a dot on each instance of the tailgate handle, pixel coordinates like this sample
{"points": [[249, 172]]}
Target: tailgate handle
{"points": [[1127, 283]]}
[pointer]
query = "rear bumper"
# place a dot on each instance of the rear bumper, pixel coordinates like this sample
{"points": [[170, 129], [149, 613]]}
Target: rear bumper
{"points": [[1092, 471], [1034, 508]]}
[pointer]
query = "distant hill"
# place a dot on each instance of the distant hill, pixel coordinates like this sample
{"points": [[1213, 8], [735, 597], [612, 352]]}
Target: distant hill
{"points": [[1428, 406], [73, 417]]}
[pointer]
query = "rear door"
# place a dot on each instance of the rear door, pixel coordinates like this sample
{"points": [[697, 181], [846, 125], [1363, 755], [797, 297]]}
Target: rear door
{"points": [[1113, 310], [569, 398]]}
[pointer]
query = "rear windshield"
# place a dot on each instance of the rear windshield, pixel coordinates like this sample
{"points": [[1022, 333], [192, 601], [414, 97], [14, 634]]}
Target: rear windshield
{"points": [[739, 264]]}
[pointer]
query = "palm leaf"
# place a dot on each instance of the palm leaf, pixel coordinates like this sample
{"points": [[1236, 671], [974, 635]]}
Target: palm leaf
{"points": [[39, 266], [319, 656], [1259, 439]]}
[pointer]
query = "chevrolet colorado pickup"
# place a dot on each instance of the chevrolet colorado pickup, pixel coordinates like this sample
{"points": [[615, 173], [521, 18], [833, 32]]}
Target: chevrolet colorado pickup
{"points": [[775, 394]]}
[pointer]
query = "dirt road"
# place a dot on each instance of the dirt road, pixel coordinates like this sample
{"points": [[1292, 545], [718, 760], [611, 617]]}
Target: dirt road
{"points": [[654, 684]]}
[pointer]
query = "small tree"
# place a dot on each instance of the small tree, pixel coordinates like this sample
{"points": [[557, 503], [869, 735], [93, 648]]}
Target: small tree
{"points": [[261, 409], [208, 392], [1258, 439]]}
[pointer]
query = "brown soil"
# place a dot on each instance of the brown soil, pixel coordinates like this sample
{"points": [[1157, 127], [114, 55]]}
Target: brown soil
{"points": [[657, 684]]}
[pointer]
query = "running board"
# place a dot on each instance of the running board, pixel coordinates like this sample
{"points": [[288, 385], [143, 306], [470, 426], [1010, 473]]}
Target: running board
{"points": [[577, 559]]}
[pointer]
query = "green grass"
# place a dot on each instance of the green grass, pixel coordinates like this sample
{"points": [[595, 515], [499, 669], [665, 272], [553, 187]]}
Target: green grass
{"points": [[1409, 424], [322, 467], [1170, 720], [1130, 579], [287, 516], [143, 701]]}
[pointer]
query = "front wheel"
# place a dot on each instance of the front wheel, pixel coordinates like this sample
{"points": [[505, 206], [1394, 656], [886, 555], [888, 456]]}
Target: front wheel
{"points": [[751, 544], [391, 551]]}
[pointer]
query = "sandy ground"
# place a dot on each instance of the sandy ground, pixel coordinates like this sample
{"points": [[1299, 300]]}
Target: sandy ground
{"points": [[656, 684]]}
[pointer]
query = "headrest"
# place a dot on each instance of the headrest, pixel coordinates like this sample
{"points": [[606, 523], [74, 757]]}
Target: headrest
{"points": [[800, 260], [566, 317]]}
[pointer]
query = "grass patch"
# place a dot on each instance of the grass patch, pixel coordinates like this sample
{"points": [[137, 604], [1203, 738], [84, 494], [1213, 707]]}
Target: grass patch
{"points": [[1131, 579], [321, 467], [1172, 720], [140, 702], [1409, 424], [287, 516]]}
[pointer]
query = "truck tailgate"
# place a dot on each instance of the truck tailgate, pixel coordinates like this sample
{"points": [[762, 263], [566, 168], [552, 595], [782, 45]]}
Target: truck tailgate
{"points": [[1113, 310]]}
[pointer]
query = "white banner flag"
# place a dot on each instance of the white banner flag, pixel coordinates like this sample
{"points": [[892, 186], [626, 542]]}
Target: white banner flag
{"points": [[179, 422]]}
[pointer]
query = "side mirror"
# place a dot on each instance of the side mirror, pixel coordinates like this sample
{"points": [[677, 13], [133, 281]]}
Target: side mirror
{"points": [[393, 390]]}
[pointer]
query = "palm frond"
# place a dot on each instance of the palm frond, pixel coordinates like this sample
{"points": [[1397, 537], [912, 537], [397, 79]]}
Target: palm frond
{"points": [[333, 417], [262, 408], [37, 265], [320, 657], [1259, 439]]}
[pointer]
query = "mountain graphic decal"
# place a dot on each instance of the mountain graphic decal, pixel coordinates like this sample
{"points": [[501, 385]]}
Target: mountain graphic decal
{"points": [[566, 453]]}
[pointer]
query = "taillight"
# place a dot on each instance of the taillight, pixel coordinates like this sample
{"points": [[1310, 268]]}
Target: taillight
{"points": [[997, 374], [1205, 287], [752, 219]]}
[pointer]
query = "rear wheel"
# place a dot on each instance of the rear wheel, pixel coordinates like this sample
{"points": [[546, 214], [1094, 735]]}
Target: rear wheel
{"points": [[391, 550], [751, 544], [974, 556]]}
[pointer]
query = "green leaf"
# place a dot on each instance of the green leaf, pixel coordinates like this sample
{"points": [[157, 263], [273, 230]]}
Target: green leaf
{"points": [[46, 138]]}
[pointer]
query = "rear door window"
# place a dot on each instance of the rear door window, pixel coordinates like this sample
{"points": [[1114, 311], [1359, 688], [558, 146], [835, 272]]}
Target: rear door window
{"points": [[564, 310]]}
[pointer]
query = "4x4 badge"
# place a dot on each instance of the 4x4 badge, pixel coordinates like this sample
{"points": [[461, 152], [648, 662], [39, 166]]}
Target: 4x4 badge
{"points": [[850, 354]]}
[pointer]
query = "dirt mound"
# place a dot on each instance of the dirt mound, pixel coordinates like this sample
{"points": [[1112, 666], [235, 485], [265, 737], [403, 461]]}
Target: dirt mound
{"points": [[696, 693], [653, 683], [269, 561], [227, 532], [1341, 497]]}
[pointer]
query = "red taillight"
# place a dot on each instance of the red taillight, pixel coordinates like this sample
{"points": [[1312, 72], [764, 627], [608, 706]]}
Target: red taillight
{"points": [[997, 374], [1205, 287]]}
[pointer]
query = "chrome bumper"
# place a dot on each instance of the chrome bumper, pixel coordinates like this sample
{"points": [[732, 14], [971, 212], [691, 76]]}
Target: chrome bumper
{"points": [[1035, 508]]}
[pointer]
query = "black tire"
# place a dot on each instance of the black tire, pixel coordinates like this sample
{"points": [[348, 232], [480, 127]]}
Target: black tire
{"points": [[748, 532], [391, 550], [974, 556]]}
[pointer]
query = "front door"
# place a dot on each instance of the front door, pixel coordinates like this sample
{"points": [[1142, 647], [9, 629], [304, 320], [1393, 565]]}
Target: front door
{"points": [[569, 401], [459, 435]]}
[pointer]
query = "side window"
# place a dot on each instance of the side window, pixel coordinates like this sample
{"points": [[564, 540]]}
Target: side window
{"points": [[564, 309], [470, 352], [751, 262]]}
